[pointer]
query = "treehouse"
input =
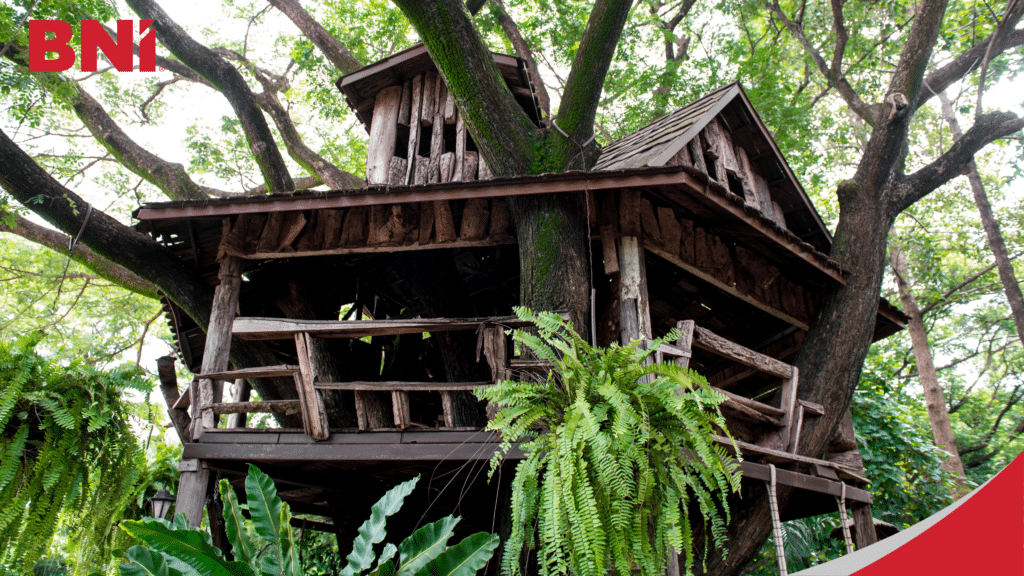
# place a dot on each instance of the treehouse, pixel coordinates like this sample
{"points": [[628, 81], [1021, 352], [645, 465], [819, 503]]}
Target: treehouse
{"points": [[364, 318]]}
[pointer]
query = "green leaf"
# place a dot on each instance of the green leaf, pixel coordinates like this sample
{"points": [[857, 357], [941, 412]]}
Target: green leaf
{"points": [[465, 559], [265, 508], [424, 545], [234, 525], [189, 546], [373, 529], [145, 562]]}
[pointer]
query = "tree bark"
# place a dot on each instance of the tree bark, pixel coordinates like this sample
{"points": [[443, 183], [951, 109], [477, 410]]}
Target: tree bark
{"points": [[83, 255], [334, 50], [511, 29], [988, 221], [229, 82], [938, 415]]}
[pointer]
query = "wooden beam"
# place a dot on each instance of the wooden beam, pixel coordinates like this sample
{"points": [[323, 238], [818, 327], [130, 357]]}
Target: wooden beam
{"points": [[755, 471], [712, 342], [169, 387], [331, 452], [634, 301], [401, 386], [250, 328], [281, 406]]}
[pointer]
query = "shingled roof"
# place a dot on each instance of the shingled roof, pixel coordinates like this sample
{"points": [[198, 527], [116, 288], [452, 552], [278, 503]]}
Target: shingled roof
{"points": [[649, 145], [660, 142]]}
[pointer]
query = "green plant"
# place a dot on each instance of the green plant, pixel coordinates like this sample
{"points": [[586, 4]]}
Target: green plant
{"points": [[67, 454], [177, 550], [616, 453]]}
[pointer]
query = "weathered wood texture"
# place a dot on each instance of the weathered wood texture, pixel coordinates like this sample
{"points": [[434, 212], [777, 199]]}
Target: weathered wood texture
{"points": [[192, 485], [277, 328], [383, 132], [169, 387], [218, 341]]}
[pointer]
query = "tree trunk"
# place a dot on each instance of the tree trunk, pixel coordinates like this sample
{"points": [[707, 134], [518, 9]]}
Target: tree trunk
{"points": [[938, 415], [988, 221], [830, 361]]}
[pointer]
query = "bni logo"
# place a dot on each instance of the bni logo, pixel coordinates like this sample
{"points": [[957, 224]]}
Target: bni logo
{"points": [[94, 38]]}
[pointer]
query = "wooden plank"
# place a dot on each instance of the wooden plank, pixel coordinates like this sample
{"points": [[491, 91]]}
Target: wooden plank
{"points": [[687, 243], [446, 167], [383, 131], [258, 372], [218, 339], [791, 417], [354, 231], [649, 223], [608, 252], [629, 213], [412, 153], [712, 342], [501, 221], [449, 108], [448, 408], [761, 407], [400, 407], [169, 387], [400, 386], [712, 255], [460, 147], [405, 105], [192, 488], [470, 166], [685, 341], [279, 406], [759, 472], [430, 82], [397, 171], [863, 524], [474, 219], [484, 170], [444, 222], [312, 406], [331, 452], [634, 302], [780, 456], [671, 230]]}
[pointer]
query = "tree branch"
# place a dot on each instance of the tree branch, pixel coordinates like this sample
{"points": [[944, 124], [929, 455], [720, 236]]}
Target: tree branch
{"points": [[109, 239], [988, 128], [326, 172], [971, 59], [916, 53], [834, 77], [514, 35], [331, 48], [169, 177], [583, 87], [83, 255], [228, 81]]}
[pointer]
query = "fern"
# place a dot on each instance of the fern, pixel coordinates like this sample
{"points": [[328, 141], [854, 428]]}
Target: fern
{"points": [[618, 455], [68, 458]]}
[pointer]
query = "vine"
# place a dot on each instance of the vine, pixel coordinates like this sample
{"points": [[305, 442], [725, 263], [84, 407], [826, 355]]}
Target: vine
{"points": [[68, 457], [619, 456]]}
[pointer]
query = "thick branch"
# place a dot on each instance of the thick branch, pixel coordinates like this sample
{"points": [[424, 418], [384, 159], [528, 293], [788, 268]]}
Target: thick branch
{"points": [[334, 50], [833, 76], [988, 128], [83, 255], [174, 66], [505, 135], [511, 29], [917, 52], [969, 61], [228, 81], [169, 177], [583, 88], [109, 239]]}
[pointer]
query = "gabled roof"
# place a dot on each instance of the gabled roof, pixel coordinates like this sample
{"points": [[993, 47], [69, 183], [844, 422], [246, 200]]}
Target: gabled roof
{"points": [[656, 145]]}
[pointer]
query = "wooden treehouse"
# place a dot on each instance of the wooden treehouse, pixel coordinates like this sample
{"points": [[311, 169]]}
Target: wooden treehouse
{"points": [[365, 317]]}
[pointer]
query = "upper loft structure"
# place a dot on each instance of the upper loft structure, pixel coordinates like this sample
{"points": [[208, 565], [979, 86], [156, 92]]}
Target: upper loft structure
{"points": [[696, 223]]}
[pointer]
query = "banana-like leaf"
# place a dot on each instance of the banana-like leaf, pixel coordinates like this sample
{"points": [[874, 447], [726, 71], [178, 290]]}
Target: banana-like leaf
{"points": [[265, 509], [188, 546], [385, 569], [234, 525], [424, 545], [289, 547], [373, 530], [145, 562], [464, 559]]}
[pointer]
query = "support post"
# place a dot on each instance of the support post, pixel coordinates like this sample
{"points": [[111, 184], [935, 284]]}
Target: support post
{"points": [[634, 304], [863, 525], [218, 339], [192, 486]]}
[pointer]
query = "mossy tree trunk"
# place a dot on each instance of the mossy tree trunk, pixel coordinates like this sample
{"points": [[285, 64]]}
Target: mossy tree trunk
{"points": [[553, 231]]}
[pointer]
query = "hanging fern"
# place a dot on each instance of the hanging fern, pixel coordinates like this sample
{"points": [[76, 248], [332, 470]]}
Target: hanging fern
{"points": [[68, 457], [616, 454]]}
